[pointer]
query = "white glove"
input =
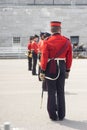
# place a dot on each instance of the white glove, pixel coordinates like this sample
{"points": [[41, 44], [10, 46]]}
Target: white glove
{"points": [[42, 76]]}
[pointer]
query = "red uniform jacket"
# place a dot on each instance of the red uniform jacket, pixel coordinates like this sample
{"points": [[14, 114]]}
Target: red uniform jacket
{"points": [[34, 47], [50, 48], [29, 46], [40, 46]]}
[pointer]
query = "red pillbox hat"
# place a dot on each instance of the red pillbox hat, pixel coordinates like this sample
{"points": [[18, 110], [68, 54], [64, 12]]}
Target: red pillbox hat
{"points": [[55, 23]]}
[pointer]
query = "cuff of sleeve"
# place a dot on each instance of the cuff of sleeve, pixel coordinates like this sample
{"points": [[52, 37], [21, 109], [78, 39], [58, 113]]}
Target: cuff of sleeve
{"points": [[67, 70], [42, 71]]}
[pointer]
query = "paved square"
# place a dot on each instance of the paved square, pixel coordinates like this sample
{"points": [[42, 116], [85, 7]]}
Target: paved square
{"points": [[20, 98]]}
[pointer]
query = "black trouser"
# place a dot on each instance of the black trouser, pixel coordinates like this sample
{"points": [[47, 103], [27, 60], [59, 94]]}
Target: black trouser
{"points": [[39, 68], [56, 96], [34, 63], [29, 63]]}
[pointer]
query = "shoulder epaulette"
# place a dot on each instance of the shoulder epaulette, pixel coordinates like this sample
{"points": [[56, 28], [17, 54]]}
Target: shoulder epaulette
{"points": [[66, 37]]}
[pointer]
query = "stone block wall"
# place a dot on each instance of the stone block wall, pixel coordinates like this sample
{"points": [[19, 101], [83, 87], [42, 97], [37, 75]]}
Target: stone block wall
{"points": [[46, 2]]}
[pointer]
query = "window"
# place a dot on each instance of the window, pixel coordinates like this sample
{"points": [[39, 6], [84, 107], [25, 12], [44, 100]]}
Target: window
{"points": [[16, 39], [74, 40]]}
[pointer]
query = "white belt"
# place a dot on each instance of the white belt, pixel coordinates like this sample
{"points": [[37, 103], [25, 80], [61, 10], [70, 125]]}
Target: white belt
{"points": [[59, 58], [56, 59]]}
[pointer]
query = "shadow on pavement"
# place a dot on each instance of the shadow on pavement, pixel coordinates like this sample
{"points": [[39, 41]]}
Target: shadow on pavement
{"points": [[80, 125], [69, 93]]}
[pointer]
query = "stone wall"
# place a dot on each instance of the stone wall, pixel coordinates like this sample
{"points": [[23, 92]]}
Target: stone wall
{"points": [[27, 2], [24, 21], [29, 20]]}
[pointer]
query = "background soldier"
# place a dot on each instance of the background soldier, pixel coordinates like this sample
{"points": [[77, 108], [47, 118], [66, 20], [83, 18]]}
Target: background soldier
{"points": [[40, 45], [34, 49], [54, 45], [30, 53]]}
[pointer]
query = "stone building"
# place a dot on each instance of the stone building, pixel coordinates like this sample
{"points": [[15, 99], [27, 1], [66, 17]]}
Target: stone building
{"points": [[20, 19]]}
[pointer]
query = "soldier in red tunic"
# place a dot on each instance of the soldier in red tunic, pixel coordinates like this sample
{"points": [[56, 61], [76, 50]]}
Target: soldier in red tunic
{"points": [[30, 53], [40, 44], [56, 59], [34, 49]]}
